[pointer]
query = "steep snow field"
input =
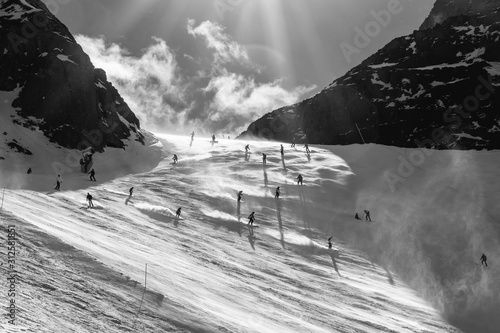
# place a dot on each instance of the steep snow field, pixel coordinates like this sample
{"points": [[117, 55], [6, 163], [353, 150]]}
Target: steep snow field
{"points": [[414, 269]]}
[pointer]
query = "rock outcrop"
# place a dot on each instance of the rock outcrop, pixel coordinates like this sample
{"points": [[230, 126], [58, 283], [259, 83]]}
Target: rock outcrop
{"points": [[61, 92], [438, 87]]}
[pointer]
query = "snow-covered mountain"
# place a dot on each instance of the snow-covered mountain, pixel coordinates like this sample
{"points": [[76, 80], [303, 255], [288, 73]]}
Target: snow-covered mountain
{"points": [[437, 87], [415, 269], [59, 92]]}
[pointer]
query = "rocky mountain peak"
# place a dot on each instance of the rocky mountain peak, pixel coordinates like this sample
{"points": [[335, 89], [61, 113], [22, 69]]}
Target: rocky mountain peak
{"points": [[60, 90], [444, 9]]}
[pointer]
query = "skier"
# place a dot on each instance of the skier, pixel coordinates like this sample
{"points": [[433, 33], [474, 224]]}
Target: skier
{"points": [[483, 260], [293, 144], [89, 199], [357, 217], [247, 148], [282, 151], [58, 183], [299, 180], [192, 135], [264, 158], [178, 212], [277, 195], [330, 242], [213, 138], [367, 216], [92, 175], [240, 194], [131, 191], [306, 146], [29, 171], [175, 158], [251, 218]]}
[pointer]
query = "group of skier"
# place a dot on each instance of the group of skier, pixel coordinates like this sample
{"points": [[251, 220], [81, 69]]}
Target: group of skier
{"points": [[251, 217]]}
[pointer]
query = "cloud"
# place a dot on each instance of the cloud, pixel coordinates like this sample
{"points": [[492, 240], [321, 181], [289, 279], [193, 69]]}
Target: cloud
{"points": [[215, 91], [225, 50], [151, 84], [238, 100]]}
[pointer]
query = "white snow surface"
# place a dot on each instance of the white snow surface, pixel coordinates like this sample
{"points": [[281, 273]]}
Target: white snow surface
{"points": [[63, 57], [415, 269]]}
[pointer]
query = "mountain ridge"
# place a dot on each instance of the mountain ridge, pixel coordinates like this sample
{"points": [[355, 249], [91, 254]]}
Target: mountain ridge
{"points": [[62, 93], [434, 88]]}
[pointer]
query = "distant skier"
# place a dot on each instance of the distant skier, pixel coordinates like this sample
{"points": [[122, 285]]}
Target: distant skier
{"points": [[282, 151], [92, 175], [251, 218], [483, 260], [29, 171], [89, 199], [178, 212], [293, 144], [306, 146], [247, 148], [330, 242], [367, 216], [175, 158], [58, 183], [357, 217], [240, 194], [213, 138], [277, 195], [192, 135], [131, 191], [299, 180], [264, 158]]}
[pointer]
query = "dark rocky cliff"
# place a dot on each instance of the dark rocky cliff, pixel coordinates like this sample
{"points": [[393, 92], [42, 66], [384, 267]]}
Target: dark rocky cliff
{"points": [[72, 101], [437, 88]]}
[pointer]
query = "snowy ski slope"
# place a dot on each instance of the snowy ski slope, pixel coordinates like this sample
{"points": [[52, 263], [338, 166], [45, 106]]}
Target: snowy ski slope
{"points": [[414, 269]]}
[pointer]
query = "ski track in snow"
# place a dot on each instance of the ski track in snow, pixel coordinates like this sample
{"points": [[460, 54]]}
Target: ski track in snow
{"points": [[217, 275]]}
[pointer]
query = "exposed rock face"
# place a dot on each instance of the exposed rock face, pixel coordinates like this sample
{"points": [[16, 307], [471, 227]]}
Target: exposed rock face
{"points": [[438, 87], [74, 104]]}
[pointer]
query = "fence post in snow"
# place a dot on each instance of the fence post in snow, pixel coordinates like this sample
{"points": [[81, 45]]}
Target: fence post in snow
{"points": [[144, 292], [361, 135]]}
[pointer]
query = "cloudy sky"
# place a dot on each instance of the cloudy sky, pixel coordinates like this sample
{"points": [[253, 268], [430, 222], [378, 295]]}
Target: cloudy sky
{"points": [[214, 66]]}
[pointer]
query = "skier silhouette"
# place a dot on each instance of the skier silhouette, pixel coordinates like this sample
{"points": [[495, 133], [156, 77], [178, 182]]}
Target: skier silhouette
{"points": [[240, 194], [178, 212], [251, 218], [192, 135], [213, 138], [277, 195], [282, 151], [89, 199], [92, 174], [299, 180], [330, 242], [131, 191], [58, 183], [175, 158], [367, 216], [306, 146], [483, 260], [29, 171], [293, 144], [247, 148], [264, 158]]}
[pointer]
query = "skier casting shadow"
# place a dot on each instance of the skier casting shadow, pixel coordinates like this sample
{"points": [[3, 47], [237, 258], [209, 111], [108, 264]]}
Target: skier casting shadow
{"points": [[280, 223], [251, 237], [333, 255], [283, 162]]}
